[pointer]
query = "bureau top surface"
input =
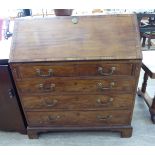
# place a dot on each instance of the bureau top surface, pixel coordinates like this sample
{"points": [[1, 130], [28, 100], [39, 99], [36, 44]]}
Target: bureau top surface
{"points": [[103, 37]]}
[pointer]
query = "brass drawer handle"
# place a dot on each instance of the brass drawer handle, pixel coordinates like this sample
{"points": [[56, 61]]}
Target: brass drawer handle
{"points": [[101, 86], [53, 118], [74, 20], [51, 87], [39, 73], [49, 119], [50, 103], [107, 103], [101, 71], [11, 93], [104, 118]]}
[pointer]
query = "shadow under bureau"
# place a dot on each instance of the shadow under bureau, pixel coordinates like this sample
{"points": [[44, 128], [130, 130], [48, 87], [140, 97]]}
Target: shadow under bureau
{"points": [[77, 73]]}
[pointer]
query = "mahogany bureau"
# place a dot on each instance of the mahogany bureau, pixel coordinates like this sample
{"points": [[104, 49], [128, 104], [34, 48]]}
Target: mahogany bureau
{"points": [[77, 73]]}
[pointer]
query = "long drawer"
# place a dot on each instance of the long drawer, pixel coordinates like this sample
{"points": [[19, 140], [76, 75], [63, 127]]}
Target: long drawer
{"points": [[77, 102], [78, 118], [71, 69], [67, 85]]}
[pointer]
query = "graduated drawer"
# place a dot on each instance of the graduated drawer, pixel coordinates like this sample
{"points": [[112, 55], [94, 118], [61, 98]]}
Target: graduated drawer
{"points": [[77, 102], [79, 118], [70, 69], [69, 85]]}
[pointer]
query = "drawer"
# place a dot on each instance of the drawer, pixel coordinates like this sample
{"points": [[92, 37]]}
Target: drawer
{"points": [[25, 71], [77, 102], [67, 85], [79, 118]]}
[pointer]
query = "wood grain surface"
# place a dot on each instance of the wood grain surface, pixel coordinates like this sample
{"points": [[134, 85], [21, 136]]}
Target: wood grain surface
{"points": [[92, 38], [79, 75], [78, 118]]}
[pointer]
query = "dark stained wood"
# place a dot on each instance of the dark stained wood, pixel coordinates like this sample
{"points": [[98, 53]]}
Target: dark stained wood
{"points": [[32, 134], [92, 38], [11, 116], [78, 118], [70, 69], [77, 102], [149, 71], [125, 130], [146, 97], [76, 85], [144, 84], [63, 12], [150, 103], [81, 76]]}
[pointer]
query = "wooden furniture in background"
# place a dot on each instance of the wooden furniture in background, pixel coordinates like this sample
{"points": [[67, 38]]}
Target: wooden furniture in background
{"points": [[149, 36], [77, 73], [149, 71], [11, 115], [63, 12], [147, 28]]}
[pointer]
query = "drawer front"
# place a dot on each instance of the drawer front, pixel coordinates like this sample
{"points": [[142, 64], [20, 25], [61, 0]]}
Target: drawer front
{"points": [[79, 118], [77, 102], [66, 85], [26, 71]]}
